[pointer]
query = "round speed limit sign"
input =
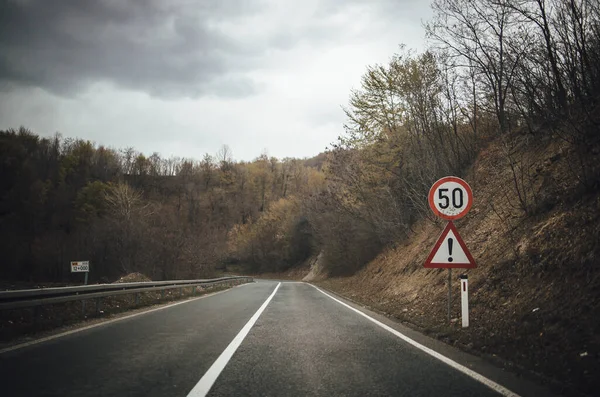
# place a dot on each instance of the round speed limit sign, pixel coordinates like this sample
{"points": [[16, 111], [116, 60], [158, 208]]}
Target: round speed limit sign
{"points": [[450, 198]]}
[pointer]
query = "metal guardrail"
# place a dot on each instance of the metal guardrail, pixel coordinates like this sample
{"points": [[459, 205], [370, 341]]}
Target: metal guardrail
{"points": [[44, 296]]}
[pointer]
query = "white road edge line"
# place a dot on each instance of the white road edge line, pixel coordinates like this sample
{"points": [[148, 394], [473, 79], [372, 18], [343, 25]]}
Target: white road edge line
{"points": [[480, 378], [206, 382], [41, 340]]}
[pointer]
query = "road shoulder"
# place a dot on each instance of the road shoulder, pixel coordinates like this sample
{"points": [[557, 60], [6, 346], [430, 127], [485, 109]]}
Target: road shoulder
{"points": [[517, 382]]}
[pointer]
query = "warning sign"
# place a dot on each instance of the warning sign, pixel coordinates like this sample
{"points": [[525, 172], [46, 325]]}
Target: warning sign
{"points": [[450, 251]]}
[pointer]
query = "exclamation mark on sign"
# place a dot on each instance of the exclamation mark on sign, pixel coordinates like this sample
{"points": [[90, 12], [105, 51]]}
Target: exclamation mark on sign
{"points": [[450, 241]]}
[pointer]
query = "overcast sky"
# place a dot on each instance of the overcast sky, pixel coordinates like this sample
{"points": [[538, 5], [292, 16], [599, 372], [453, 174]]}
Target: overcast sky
{"points": [[183, 77]]}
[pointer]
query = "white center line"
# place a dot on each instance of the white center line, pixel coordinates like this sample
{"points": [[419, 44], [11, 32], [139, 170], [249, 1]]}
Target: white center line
{"points": [[488, 382], [203, 386]]}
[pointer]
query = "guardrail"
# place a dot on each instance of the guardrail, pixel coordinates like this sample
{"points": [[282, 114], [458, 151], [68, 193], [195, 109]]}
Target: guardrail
{"points": [[45, 296]]}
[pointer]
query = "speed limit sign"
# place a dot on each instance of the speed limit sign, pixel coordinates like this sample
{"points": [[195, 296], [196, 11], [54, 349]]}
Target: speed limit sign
{"points": [[450, 198]]}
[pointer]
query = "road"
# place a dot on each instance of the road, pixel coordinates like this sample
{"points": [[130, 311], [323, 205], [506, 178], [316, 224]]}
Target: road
{"points": [[261, 339]]}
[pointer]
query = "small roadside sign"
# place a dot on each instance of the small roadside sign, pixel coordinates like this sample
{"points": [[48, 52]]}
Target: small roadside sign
{"points": [[450, 251], [450, 198], [80, 266]]}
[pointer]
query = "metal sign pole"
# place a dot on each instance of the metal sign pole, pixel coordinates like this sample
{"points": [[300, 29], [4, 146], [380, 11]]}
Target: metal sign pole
{"points": [[449, 291], [86, 278]]}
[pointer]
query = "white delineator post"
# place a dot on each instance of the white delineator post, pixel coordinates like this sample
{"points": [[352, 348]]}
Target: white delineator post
{"points": [[464, 300]]}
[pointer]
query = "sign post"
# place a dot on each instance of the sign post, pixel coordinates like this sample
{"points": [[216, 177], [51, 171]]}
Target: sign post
{"points": [[450, 198], [81, 267]]}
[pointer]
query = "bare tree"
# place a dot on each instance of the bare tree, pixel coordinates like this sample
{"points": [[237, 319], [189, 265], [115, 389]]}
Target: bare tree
{"points": [[479, 33]]}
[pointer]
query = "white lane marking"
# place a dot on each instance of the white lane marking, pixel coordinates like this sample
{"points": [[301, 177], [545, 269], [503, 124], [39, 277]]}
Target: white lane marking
{"points": [[489, 383], [41, 340], [203, 386]]}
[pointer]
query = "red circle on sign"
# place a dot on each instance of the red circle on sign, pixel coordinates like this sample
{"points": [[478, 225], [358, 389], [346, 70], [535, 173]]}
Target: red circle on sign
{"points": [[434, 189]]}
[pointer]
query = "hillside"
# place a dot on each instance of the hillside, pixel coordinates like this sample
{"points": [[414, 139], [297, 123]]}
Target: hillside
{"points": [[534, 301], [64, 199]]}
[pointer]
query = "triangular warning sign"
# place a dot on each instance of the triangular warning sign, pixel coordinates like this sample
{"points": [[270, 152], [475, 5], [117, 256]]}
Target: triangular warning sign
{"points": [[450, 251]]}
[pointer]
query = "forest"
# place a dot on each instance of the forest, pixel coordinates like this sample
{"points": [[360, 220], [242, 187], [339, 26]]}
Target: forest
{"points": [[68, 199], [526, 72]]}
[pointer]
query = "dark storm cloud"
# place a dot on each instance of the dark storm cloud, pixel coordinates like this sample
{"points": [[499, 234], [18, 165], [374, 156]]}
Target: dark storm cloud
{"points": [[166, 48], [231, 71]]}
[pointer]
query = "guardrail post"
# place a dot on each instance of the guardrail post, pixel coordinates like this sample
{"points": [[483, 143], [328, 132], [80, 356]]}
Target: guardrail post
{"points": [[137, 299], [194, 290], [162, 294], [180, 292]]}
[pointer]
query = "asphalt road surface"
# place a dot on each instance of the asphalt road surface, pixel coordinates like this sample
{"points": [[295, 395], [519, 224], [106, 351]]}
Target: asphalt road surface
{"points": [[261, 339]]}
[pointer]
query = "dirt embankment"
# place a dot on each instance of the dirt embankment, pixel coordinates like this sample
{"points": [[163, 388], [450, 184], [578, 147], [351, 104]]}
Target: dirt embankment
{"points": [[534, 298]]}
